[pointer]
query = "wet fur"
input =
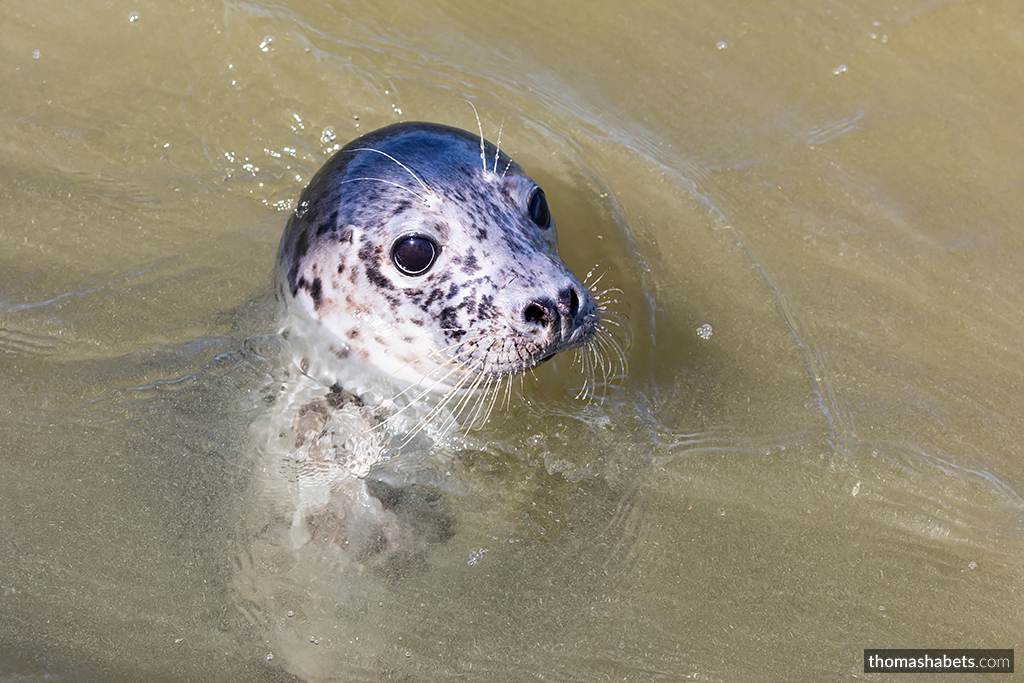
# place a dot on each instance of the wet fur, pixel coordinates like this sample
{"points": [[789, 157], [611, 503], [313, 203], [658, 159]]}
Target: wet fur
{"points": [[459, 330]]}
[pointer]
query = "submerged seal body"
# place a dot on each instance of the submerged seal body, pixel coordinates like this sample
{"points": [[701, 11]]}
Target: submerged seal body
{"points": [[428, 253]]}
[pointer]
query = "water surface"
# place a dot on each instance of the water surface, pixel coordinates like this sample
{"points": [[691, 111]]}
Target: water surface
{"points": [[834, 189]]}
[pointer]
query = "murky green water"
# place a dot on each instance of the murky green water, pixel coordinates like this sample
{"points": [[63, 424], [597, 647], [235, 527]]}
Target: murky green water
{"points": [[834, 189]]}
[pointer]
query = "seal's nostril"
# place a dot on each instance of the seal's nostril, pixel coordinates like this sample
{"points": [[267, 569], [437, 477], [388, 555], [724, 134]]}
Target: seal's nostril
{"points": [[534, 314], [541, 312], [569, 302]]}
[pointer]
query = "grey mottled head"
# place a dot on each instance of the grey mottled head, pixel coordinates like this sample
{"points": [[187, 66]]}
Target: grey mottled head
{"points": [[430, 254]]}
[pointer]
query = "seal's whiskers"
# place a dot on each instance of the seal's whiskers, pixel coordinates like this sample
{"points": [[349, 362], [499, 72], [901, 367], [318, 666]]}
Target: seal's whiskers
{"points": [[480, 127], [381, 180], [497, 145], [420, 180]]}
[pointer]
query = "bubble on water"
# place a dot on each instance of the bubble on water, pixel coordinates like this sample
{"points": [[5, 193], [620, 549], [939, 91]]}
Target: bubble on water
{"points": [[291, 614], [841, 69], [314, 640], [972, 565], [327, 136], [133, 17], [856, 489], [268, 41], [721, 45], [270, 657], [476, 556], [704, 331], [35, 54], [408, 654], [874, 36]]}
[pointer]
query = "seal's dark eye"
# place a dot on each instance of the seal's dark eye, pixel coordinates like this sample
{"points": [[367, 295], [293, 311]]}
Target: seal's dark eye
{"points": [[539, 208], [414, 255]]}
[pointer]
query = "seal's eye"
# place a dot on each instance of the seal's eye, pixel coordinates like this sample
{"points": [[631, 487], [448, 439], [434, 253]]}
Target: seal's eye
{"points": [[414, 255], [539, 208]]}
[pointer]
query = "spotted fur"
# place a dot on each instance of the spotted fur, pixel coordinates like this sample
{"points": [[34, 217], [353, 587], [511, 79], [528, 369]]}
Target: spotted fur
{"points": [[497, 301]]}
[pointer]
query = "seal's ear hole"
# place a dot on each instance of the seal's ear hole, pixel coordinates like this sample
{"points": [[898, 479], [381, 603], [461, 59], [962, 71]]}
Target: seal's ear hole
{"points": [[538, 207], [414, 255]]}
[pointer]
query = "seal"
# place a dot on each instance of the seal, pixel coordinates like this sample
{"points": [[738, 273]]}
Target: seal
{"points": [[419, 273], [429, 254]]}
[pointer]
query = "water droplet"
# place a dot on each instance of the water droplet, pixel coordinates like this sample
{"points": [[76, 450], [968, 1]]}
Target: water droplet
{"points": [[327, 136], [35, 54], [268, 41], [721, 45], [133, 17], [704, 331], [841, 69]]}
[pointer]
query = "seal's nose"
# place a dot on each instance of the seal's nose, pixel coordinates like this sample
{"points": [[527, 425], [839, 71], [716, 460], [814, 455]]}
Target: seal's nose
{"points": [[557, 316]]}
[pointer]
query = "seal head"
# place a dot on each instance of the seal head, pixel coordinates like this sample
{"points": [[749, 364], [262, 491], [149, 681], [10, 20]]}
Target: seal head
{"points": [[430, 254]]}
